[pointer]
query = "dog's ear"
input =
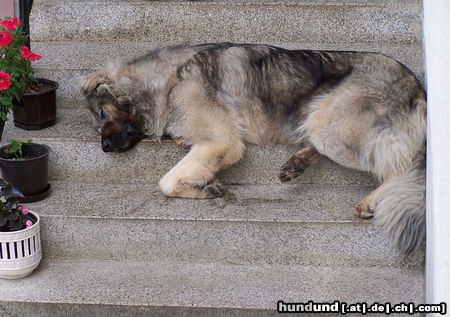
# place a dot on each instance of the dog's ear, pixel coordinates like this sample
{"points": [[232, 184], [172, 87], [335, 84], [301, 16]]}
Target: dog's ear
{"points": [[123, 90], [96, 84]]}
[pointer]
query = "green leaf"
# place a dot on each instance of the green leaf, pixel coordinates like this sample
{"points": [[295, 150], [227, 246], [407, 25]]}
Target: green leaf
{"points": [[4, 116], [5, 100], [13, 147], [16, 95]]}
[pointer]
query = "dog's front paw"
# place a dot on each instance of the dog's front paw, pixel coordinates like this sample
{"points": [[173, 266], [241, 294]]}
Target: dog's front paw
{"points": [[292, 169], [191, 189], [212, 189], [179, 142], [90, 83]]}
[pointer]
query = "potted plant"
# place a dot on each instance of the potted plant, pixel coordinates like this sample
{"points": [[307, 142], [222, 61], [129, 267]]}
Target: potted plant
{"points": [[20, 245], [25, 165], [33, 100]]}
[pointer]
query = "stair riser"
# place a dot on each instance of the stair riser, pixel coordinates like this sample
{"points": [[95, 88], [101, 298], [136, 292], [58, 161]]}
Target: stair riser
{"points": [[210, 22], [13, 309], [217, 242], [150, 160], [206, 287]]}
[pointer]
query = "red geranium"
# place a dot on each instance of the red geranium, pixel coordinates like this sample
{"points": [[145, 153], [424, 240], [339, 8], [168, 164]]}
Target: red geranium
{"points": [[27, 54], [16, 72], [4, 81], [10, 24], [5, 38]]}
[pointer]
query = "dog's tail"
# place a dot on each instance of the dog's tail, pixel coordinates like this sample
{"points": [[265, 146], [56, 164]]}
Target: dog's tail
{"points": [[400, 209]]}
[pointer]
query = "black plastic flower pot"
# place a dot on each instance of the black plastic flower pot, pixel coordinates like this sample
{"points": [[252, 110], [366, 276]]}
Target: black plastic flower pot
{"points": [[29, 175], [37, 110]]}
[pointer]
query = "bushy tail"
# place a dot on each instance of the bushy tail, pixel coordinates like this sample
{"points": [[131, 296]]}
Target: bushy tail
{"points": [[400, 211]]}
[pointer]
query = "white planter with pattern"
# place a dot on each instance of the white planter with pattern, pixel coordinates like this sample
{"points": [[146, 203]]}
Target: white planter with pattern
{"points": [[20, 251]]}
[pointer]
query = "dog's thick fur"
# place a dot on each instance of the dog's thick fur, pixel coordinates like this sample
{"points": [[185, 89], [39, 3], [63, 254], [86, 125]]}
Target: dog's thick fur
{"points": [[364, 111]]}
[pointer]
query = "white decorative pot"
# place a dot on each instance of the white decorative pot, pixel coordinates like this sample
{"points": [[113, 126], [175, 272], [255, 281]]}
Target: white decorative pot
{"points": [[20, 251]]}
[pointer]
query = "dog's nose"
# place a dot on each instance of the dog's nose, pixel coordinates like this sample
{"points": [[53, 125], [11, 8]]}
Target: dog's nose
{"points": [[106, 146]]}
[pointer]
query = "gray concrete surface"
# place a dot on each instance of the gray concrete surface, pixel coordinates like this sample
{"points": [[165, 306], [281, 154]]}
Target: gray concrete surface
{"points": [[211, 22], [250, 225], [43, 309], [373, 3], [208, 286]]}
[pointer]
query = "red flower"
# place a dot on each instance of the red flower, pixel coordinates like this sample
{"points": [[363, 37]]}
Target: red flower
{"points": [[27, 54], [10, 24], [5, 38], [4, 81]]}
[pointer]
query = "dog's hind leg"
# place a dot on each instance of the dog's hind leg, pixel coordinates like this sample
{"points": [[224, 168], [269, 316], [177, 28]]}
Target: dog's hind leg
{"points": [[194, 175], [366, 207], [297, 164]]}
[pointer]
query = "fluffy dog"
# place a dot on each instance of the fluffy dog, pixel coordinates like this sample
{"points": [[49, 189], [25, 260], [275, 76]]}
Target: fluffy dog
{"points": [[364, 111]]}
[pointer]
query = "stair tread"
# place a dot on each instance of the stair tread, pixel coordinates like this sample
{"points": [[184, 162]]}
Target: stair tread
{"points": [[209, 285], [247, 203], [71, 124], [235, 2], [66, 55]]}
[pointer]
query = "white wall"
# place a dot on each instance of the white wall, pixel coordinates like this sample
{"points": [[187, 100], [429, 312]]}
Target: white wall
{"points": [[437, 61]]}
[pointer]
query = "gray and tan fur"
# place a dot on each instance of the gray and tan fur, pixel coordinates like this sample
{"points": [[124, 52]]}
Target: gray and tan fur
{"points": [[364, 111]]}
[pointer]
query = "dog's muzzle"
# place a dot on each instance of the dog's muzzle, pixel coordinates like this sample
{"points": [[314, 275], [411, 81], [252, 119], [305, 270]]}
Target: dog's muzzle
{"points": [[123, 140]]}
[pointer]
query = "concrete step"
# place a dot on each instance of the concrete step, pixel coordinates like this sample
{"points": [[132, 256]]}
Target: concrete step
{"points": [[67, 62], [136, 288], [373, 3], [77, 155], [252, 224], [241, 21]]}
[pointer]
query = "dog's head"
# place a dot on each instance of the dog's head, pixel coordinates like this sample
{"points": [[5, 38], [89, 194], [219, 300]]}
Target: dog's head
{"points": [[113, 114]]}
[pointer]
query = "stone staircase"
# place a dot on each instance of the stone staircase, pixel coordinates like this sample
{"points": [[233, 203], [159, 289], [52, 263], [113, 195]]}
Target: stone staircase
{"points": [[115, 246]]}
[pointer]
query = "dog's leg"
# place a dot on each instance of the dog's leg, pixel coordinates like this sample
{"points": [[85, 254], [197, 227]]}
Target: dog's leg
{"points": [[366, 207], [90, 83], [193, 176], [178, 141], [297, 164]]}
